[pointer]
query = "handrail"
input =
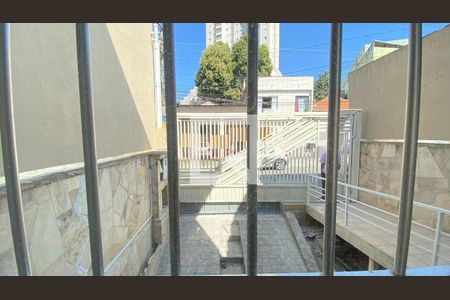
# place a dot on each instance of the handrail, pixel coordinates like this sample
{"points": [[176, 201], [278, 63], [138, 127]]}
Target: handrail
{"points": [[345, 204], [127, 244], [389, 196]]}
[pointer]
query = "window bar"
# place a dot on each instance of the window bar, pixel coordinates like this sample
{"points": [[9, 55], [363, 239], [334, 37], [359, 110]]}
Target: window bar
{"points": [[179, 139], [411, 132], [191, 135], [10, 165], [332, 150], [210, 148], [89, 147], [171, 117], [252, 151]]}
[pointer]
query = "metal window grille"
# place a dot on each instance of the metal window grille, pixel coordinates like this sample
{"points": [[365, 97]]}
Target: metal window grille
{"points": [[90, 158]]}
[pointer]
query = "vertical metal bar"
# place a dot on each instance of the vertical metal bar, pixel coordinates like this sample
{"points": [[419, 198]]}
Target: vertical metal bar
{"points": [[89, 147], [228, 138], [233, 136], [184, 141], [411, 133], [202, 141], [214, 142], [196, 148], [346, 206], [171, 115], [210, 142], [191, 137], [221, 138], [437, 237], [308, 194], [332, 150], [202, 144], [252, 151], [197, 142], [10, 165], [236, 137], [179, 139]]}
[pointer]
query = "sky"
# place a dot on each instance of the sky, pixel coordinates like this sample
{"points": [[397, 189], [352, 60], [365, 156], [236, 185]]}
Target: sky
{"points": [[304, 47]]}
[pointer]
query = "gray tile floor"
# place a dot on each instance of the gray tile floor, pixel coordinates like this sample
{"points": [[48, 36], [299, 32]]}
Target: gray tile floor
{"points": [[205, 239]]}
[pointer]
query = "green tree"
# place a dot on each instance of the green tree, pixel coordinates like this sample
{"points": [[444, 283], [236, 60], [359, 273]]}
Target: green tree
{"points": [[321, 86], [239, 60], [222, 71], [233, 94], [264, 61], [214, 77], [239, 57]]}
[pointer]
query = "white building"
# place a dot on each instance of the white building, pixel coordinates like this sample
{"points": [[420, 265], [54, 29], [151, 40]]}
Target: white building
{"points": [[229, 33], [285, 94], [158, 74]]}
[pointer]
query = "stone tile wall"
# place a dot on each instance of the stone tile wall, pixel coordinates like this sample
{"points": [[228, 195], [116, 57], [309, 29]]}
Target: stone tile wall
{"points": [[57, 225], [380, 170]]}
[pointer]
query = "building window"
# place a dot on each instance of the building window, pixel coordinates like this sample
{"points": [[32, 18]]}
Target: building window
{"points": [[266, 103], [302, 104]]}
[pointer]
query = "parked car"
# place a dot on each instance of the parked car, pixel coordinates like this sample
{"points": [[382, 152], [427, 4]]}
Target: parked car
{"points": [[275, 158]]}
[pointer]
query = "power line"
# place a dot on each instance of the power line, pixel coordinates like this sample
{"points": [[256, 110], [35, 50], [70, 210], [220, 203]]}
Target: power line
{"points": [[349, 38], [317, 67]]}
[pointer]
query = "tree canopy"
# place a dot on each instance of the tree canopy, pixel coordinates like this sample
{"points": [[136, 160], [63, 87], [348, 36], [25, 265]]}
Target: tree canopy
{"points": [[264, 61], [239, 57], [214, 77], [321, 86], [222, 71]]}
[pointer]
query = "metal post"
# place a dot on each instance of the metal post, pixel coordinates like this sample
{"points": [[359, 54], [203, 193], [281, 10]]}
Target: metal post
{"points": [[8, 138], [172, 149], [332, 150], [308, 194], [252, 159], [411, 133], [89, 147], [346, 206], [437, 237]]}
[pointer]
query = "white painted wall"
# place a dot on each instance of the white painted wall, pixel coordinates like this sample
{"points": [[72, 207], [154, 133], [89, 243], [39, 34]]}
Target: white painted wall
{"points": [[284, 90]]}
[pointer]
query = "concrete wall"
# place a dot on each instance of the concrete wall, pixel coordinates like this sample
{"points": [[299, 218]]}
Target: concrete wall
{"points": [[46, 97], [379, 89], [238, 193]]}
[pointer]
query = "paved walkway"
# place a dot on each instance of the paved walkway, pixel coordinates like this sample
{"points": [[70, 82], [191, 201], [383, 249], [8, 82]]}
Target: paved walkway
{"points": [[209, 240], [374, 236]]}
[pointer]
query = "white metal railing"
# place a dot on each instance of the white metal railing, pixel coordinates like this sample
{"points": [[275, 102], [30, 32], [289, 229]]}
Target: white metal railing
{"points": [[385, 220], [212, 143]]}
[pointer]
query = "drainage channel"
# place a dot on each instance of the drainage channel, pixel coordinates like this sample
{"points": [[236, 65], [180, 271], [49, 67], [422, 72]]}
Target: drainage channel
{"points": [[348, 258]]}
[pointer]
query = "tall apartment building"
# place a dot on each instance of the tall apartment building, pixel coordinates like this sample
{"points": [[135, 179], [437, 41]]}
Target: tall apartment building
{"points": [[229, 33]]}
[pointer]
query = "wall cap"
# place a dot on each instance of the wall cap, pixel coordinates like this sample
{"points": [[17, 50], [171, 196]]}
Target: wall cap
{"points": [[31, 179], [400, 141]]}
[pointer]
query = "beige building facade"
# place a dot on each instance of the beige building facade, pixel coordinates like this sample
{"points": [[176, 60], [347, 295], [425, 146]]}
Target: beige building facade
{"points": [[379, 89], [133, 215], [46, 96]]}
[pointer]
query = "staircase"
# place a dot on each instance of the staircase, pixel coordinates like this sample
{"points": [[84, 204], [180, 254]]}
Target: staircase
{"points": [[296, 133]]}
